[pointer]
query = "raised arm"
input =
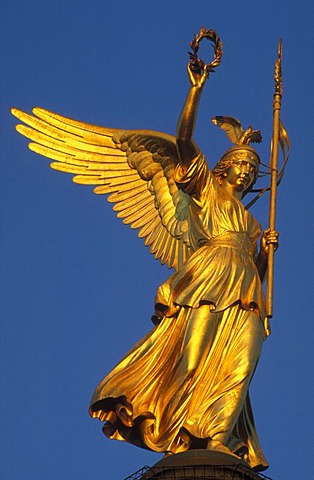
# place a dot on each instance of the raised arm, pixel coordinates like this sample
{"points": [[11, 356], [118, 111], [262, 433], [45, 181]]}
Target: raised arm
{"points": [[187, 147]]}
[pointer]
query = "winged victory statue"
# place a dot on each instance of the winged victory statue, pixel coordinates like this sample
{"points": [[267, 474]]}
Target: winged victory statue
{"points": [[185, 385]]}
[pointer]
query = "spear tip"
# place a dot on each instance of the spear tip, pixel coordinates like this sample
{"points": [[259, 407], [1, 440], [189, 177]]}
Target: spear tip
{"points": [[280, 47]]}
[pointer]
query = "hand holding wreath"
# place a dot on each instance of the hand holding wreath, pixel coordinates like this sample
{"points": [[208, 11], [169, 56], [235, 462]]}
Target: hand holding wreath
{"points": [[198, 70]]}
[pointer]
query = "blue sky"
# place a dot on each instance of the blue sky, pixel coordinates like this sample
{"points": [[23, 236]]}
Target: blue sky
{"points": [[77, 285]]}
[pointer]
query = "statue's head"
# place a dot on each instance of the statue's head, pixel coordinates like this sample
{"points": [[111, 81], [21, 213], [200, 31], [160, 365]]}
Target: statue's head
{"points": [[237, 154], [240, 152]]}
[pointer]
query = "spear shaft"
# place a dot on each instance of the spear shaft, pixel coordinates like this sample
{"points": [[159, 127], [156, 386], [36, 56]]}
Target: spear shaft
{"points": [[273, 183]]}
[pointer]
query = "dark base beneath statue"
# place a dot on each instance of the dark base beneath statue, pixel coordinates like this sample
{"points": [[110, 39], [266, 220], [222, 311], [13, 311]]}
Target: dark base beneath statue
{"points": [[199, 464]]}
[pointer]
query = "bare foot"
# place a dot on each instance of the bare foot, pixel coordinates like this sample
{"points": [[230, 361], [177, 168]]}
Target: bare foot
{"points": [[167, 454], [217, 446]]}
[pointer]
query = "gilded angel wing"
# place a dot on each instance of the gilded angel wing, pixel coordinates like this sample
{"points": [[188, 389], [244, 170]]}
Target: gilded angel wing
{"points": [[134, 166]]}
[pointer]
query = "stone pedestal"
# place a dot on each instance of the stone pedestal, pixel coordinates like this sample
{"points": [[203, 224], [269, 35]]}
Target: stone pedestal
{"points": [[200, 465]]}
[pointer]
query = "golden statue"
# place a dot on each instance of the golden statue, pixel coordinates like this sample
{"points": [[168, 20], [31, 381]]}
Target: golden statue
{"points": [[185, 384]]}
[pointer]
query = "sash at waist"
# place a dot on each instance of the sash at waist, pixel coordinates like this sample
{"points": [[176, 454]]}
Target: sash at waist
{"points": [[239, 241]]}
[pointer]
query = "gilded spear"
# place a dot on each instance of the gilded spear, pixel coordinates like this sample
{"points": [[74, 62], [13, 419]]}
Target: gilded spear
{"points": [[273, 183]]}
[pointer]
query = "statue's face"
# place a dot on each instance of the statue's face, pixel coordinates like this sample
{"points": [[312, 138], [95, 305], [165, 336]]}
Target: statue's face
{"points": [[241, 174]]}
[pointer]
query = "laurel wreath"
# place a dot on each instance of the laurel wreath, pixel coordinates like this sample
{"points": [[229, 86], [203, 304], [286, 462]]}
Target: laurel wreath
{"points": [[198, 65]]}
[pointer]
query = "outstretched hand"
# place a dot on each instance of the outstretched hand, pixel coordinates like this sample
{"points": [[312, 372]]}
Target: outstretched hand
{"points": [[196, 75]]}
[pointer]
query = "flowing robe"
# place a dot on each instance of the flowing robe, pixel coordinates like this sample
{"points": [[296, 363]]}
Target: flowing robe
{"points": [[186, 382]]}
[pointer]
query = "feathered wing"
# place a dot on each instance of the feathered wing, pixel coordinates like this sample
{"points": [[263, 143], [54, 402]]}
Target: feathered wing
{"points": [[231, 126], [234, 131], [135, 167], [256, 136]]}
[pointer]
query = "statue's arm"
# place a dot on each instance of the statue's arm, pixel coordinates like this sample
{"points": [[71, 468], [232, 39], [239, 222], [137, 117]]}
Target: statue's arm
{"points": [[267, 237], [186, 145]]}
